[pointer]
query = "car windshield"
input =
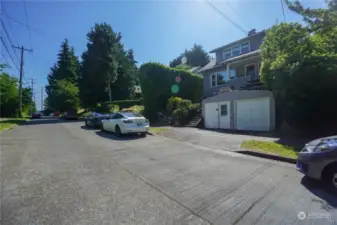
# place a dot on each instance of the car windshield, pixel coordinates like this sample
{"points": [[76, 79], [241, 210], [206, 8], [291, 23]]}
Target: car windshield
{"points": [[131, 114]]}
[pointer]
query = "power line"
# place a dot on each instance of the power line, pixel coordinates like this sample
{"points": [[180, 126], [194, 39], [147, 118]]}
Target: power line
{"points": [[210, 4], [30, 38], [10, 41], [234, 10], [9, 53], [284, 15]]}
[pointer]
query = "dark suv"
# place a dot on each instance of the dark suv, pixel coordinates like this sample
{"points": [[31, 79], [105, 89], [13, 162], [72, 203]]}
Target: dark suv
{"points": [[71, 114]]}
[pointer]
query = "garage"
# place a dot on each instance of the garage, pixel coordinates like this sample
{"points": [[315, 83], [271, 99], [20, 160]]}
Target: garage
{"points": [[217, 115], [252, 110], [253, 114]]}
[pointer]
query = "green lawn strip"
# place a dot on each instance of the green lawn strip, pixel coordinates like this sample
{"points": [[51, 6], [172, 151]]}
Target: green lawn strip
{"points": [[10, 123], [270, 147], [155, 130]]}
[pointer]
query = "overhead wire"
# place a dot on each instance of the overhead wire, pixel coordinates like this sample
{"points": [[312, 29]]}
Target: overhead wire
{"points": [[284, 15], [9, 53], [10, 41], [210, 4], [30, 38]]}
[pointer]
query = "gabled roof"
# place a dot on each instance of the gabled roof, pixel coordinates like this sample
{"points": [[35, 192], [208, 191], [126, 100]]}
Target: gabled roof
{"points": [[238, 41]]}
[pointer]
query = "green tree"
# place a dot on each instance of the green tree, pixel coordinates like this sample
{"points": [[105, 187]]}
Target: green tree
{"points": [[8, 95], [196, 56], [65, 95], [105, 63], [65, 69], [300, 67]]}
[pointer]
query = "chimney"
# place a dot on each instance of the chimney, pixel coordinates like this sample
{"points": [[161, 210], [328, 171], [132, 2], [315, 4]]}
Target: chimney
{"points": [[252, 32]]}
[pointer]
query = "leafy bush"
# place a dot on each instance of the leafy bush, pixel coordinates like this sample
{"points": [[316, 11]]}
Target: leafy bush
{"points": [[135, 108], [179, 108], [127, 103], [172, 104], [179, 114], [157, 82], [106, 107], [195, 107]]}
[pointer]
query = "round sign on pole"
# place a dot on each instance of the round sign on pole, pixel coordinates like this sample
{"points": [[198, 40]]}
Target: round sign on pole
{"points": [[175, 89], [183, 60], [178, 79]]}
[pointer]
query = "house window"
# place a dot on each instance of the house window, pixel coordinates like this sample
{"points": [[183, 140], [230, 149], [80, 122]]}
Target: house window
{"points": [[223, 110], [213, 80], [227, 54], [236, 50], [221, 78], [262, 40], [232, 73], [245, 47], [250, 69]]}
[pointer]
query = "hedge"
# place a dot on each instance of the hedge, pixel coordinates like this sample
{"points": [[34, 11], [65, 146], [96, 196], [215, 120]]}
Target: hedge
{"points": [[157, 80], [125, 103]]}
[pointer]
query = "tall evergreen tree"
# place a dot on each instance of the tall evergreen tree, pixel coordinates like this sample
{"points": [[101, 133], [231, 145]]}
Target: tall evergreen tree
{"points": [[65, 70], [105, 63], [196, 56]]}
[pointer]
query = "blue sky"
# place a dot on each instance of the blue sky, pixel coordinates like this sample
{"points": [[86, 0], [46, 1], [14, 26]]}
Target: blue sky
{"points": [[157, 30]]}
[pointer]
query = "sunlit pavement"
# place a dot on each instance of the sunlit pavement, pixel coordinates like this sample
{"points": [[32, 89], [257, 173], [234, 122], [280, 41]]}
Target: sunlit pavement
{"points": [[61, 173]]}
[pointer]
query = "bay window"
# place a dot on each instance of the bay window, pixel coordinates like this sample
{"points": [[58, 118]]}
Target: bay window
{"points": [[245, 47]]}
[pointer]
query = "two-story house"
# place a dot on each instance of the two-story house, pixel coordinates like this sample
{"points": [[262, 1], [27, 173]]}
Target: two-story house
{"points": [[227, 104]]}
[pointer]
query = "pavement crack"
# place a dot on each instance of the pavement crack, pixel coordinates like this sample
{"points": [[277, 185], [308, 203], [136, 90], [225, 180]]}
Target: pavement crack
{"points": [[252, 206], [165, 194]]}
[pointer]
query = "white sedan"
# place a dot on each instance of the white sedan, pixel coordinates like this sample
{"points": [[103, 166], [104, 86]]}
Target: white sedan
{"points": [[126, 122]]}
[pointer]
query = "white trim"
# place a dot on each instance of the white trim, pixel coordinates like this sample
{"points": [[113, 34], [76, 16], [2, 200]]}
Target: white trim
{"points": [[211, 77], [231, 48]]}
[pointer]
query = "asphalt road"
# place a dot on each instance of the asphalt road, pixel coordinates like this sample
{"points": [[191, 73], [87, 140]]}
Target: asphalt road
{"points": [[60, 173]]}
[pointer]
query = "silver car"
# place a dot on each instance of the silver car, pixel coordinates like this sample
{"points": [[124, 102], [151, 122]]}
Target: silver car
{"points": [[318, 160]]}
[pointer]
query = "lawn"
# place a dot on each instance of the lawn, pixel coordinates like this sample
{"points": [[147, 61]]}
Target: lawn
{"points": [[155, 130], [9, 123], [270, 147]]}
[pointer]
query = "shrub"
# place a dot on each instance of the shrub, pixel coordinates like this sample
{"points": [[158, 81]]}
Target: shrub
{"points": [[172, 104], [194, 107], [127, 103], [135, 108], [106, 107], [156, 82]]}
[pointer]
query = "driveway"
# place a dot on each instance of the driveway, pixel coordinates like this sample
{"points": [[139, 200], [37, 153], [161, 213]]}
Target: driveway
{"points": [[60, 173], [214, 139]]}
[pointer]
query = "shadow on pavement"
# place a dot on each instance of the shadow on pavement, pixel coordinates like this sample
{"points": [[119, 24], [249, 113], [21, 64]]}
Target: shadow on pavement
{"points": [[125, 137], [89, 128], [328, 199], [51, 121]]}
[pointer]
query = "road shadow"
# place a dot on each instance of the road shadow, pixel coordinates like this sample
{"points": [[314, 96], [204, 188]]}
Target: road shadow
{"points": [[89, 128], [125, 137], [50, 121], [327, 198]]}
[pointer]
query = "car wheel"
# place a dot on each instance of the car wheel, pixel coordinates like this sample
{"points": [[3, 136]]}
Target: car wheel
{"points": [[101, 127], [118, 131], [143, 134], [86, 123], [330, 178]]}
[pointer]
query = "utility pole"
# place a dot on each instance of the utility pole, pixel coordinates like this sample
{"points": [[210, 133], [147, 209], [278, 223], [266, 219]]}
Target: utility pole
{"points": [[41, 98], [33, 81], [22, 49]]}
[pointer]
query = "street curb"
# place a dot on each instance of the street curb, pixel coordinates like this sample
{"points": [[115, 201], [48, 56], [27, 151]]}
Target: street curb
{"points": [[267, 156], [151, 133]]}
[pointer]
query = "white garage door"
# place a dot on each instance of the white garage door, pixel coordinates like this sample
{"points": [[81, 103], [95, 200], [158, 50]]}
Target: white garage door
{"points": [[211, 115], [253, 114], [217, 115]]}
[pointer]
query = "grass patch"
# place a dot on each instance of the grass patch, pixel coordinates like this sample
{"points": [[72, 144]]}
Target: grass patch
{"points": [[271, 147], [10, 123], [155, 130]]}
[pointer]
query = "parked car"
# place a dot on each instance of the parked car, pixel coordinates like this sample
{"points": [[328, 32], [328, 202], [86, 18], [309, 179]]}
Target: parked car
{"points": [[70, 114], [36, 115], [95, 119], [126, 122], [318, 160]]}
